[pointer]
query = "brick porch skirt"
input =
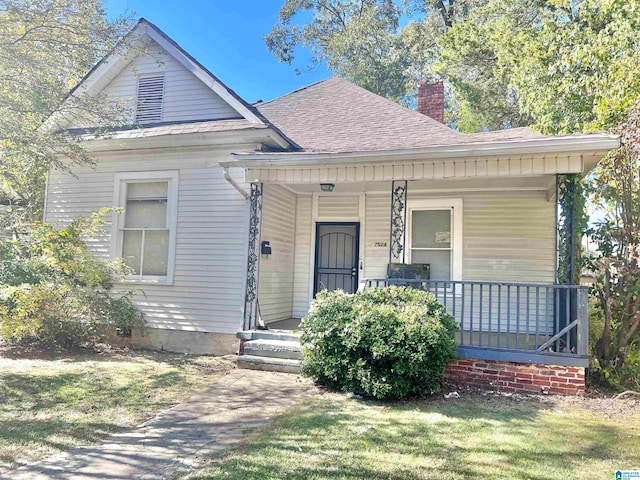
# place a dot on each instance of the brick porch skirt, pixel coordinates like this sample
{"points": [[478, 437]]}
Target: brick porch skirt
{"points": [[516, 377]]}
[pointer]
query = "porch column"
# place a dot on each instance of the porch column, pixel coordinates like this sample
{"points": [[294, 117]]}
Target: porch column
{"points": [[570, 305], [251, 309], [569, 206], [398, 233]]}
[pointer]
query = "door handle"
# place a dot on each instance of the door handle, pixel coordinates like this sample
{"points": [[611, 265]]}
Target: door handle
{"points": [[353, 271]]}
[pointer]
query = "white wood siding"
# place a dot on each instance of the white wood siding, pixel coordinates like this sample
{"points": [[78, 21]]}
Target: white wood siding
{"points": [[276, 270], [186, 98], [302, 258], [338, 206], [507, 236], [378, 214], [211, 246]]}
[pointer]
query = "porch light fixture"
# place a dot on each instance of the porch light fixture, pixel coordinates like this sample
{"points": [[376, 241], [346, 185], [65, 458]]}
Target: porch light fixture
{"points": [[327, 187]]}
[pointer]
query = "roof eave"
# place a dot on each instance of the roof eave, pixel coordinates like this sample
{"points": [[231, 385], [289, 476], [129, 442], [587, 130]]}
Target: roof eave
{"points": [[258, 135], [592, 144]]}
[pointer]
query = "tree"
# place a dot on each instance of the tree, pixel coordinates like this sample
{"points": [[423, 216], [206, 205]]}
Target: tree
{"points": [[615, 189], [54, 290], [357, 39], [46, 47], [477, 58], [364, 41], [579, 68]]}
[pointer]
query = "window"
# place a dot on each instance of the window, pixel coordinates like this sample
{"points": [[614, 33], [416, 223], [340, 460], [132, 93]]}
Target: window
{"points": [[149, 99], [435, 236], [145, 235]]}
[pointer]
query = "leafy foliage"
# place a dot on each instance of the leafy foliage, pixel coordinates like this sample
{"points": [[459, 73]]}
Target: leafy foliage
{"points": [[357, 39], [615, 190], [364, 41], [477, 59], [564, 65], [46, 47], [579, 68], [572, 225], [54, 290], [387, 343]]}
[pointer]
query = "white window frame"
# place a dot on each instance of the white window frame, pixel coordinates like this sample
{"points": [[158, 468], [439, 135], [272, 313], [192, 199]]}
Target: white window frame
{"points": [[117, 228], [456, 207]]}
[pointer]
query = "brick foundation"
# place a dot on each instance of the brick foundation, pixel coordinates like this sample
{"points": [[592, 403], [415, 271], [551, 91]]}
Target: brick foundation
{"points": [[516, 377]]}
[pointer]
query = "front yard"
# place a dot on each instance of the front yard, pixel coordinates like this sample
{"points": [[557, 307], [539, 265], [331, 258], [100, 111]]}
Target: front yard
{"points": [[51, 404], [48, 405], [477, 436]]}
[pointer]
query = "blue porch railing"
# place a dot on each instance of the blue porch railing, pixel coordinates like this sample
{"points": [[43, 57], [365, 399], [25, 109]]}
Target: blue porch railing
{"points": [[532, 323]]}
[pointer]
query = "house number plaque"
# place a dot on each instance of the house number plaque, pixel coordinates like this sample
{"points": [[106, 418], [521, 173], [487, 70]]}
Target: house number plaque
{"points": [[380, 244]]}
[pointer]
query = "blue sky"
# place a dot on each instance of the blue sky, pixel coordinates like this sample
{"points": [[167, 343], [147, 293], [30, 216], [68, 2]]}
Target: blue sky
{"points": [[227, 37]]}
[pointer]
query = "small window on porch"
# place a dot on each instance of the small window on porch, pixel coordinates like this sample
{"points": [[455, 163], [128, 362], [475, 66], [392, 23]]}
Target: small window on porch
{"points": [[431, 241], [434, 237]]}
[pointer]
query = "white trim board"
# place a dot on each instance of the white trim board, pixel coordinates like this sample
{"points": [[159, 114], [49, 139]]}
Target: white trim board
{"points": [[418, 170]]}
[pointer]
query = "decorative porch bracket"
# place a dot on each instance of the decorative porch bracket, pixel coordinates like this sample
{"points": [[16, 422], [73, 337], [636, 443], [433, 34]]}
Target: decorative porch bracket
{"points": [[251, 309], [398, 227]]}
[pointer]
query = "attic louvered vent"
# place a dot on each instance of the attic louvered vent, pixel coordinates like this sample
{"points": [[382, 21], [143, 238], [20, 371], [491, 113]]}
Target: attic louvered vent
{"points": [[150, 97]]}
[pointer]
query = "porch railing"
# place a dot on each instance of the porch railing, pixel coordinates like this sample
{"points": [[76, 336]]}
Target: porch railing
{"points": [[533, 319]]}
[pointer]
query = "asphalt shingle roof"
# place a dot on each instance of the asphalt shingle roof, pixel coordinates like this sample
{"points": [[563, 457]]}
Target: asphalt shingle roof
{"points": [[335, 115]]}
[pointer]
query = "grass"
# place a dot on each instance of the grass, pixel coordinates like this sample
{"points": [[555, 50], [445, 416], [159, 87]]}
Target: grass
{"points": [[51, 404], [475, 437]]}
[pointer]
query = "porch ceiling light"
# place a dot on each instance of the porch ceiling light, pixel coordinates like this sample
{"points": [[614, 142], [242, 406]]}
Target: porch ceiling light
{"points": [[327, 187]]}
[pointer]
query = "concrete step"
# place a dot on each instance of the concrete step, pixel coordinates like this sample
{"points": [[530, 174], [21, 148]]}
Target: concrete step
{"points": [[271, 364], [281, 335], [273, 348]]}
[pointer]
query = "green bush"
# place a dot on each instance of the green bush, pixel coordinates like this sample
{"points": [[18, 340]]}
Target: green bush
{"points": [[596, 326], [614, 376], [54, 291], [386, 342]]}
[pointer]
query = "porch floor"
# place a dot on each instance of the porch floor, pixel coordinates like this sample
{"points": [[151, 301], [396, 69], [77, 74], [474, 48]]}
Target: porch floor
{"points": [[288, 324]]}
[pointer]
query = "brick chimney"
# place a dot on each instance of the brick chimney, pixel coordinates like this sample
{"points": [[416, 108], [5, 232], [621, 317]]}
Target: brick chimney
{"points": [[431, 99]]}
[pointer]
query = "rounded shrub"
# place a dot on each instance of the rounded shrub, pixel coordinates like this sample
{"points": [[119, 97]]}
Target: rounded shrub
{"points": [[389, 342]]}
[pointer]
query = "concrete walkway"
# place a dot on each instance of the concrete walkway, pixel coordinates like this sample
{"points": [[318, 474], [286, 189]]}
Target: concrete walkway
{"points": [[182, 437]]}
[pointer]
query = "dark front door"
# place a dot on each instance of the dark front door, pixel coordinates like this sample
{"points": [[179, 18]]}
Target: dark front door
{"points": [[336, 257]]}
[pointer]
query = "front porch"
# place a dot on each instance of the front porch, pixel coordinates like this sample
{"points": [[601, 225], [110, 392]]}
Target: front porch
{"points": [[486, 247]]}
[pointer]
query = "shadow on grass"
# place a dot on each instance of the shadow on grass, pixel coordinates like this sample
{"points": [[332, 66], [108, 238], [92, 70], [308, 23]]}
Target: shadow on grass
{"points": [[326, 439], [56, 406], [37, 351], [59, 434]]}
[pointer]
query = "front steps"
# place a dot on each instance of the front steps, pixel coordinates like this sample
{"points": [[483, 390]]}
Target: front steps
{"points": [[271, 350]]}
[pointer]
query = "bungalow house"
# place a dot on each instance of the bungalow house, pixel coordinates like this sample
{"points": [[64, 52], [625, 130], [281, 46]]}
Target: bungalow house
{"points": [[236, 215]]}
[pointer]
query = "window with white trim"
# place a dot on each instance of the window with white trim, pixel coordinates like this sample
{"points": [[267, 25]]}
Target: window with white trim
{"points": [[435, 236], [146, 228]]}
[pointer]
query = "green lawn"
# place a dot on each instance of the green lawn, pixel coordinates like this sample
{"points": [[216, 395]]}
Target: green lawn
{"points": [[47, 405], [476, 436]]}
